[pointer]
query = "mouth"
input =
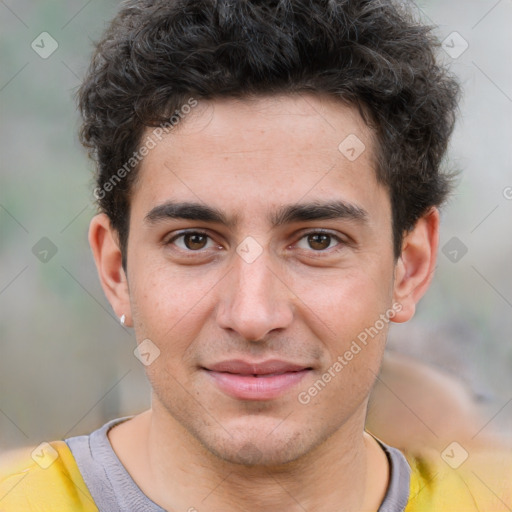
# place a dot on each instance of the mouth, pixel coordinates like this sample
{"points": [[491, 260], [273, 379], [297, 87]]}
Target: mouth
{"points": [[256, 381]]}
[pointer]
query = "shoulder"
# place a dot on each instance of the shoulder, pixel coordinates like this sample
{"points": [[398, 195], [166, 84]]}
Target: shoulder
{"points": [[43, 479], [460, 479], [431, 393]]}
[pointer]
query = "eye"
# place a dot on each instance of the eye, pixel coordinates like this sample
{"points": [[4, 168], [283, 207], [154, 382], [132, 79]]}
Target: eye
{"points": [[318, 241], [192, 241]]}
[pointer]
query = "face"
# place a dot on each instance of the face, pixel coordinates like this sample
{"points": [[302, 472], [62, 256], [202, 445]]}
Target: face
{"points": [[259, 256]]}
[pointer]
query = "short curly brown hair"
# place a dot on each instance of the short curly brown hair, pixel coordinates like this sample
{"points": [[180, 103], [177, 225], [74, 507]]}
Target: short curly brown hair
{"points": [[156, 54]]}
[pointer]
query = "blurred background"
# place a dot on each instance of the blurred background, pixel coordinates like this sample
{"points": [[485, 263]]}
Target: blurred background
{"points": [[67, 366]]}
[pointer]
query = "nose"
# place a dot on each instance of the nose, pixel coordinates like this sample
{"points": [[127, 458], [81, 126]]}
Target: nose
{"points": [[254, 299]]}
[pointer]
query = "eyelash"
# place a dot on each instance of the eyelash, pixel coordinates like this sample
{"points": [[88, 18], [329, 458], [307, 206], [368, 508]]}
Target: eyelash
{"points": [[304, 235]]}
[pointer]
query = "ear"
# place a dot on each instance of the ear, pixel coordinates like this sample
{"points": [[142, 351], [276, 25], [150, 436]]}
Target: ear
{"points": [[415, 266], [104, 243]]}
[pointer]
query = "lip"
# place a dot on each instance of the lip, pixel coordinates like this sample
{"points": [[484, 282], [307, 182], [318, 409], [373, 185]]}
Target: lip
{"points": [[256, 381], [242, 367]]}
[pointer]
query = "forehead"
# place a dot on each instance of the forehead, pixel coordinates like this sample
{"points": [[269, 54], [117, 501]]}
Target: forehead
{"points": [[271, 150]]}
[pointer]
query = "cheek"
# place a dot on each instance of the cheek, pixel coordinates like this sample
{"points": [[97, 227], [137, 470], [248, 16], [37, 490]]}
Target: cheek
{"points": [[170, 306], [347, 302], [351, 319]]}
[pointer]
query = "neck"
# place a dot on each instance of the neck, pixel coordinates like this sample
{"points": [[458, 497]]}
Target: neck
{"points": [[347, 472]]}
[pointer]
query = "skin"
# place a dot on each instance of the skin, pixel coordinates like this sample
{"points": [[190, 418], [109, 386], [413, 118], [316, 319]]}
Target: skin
{"points": [[414, 405], [299, 301]]}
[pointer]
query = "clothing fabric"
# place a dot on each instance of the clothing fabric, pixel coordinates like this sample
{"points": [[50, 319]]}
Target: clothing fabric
{"points": [[83, 474], [113, 489]]}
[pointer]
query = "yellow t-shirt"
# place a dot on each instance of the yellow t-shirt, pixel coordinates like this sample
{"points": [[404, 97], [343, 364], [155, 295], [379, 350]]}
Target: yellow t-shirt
{"points": [[49, 480], [482, 483], [52, 484]]}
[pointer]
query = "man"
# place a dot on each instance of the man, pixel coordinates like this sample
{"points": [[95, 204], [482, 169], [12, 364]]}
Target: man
{"points": [[268, 180]]}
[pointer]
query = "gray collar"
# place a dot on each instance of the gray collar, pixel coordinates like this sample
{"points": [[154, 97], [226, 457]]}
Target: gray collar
{"points": [[114, 490]]}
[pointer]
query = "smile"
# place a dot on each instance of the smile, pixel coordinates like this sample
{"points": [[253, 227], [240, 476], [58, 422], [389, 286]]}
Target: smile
{"points": [[258, 384]]}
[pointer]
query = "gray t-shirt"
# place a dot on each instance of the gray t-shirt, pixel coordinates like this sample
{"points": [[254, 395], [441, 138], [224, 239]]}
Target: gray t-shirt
{"points": [[114, 490]]}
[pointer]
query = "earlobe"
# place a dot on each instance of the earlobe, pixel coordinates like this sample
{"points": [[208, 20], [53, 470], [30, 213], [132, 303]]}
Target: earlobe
{"points": [[107, 256], [415, 266]]}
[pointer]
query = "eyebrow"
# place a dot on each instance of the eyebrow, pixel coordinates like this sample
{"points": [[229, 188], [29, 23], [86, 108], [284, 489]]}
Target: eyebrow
{"points": [[287, 214]]}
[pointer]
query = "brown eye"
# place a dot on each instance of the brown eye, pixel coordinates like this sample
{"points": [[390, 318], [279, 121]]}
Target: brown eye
{"points": [[195, 241], [192, 241], [319, 241]]}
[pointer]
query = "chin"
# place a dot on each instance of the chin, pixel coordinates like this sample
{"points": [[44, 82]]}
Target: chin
{"points": [[264, 442], [254, 452]]}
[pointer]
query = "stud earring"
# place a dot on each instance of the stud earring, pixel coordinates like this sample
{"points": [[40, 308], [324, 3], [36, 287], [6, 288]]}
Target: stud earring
{"points": [[122, 319]]}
